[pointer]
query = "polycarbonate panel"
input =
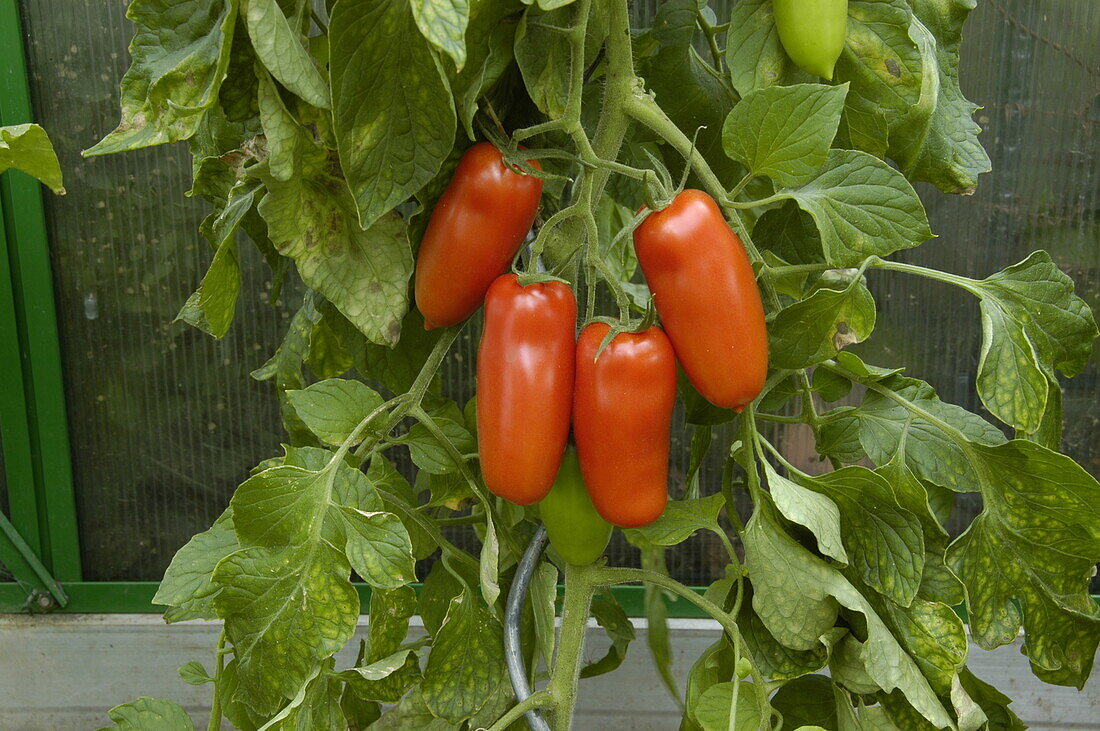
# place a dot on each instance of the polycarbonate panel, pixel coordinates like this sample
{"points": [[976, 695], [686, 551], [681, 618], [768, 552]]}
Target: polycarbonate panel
{"points": [[164, 421]]}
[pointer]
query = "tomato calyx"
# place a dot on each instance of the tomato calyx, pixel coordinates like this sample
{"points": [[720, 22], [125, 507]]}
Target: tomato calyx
{"points": [[526, 279], [619, 327]]}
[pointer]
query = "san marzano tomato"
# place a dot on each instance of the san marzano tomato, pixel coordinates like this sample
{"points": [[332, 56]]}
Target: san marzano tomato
{"points": [[475, 231], [622, 412], [706, 294], [525, 367]]}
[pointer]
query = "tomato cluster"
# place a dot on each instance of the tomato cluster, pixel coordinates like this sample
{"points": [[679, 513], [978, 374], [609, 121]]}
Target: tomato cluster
{"points": [[536, 380]]}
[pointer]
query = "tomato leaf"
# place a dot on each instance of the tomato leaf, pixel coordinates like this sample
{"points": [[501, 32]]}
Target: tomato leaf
{"points": [[145, 714], [798, 596], [285, 611], [365, 274], [443, 24], [187, 588], [1043, 510], [1033, 323], [810, 509], [466, 662], [279, 48], [715, 706], [816, 328], [784, 132], [681, 519], [180, 52], [861, 207], [941, 144], [27, 147], [333, 408], [392, 109]]}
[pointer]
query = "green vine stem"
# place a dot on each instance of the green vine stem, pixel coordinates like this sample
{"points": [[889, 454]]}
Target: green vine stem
{"points": [[215, 721], [580, 584]]}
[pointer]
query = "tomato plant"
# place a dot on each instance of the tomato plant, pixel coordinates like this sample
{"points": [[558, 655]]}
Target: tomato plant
{"points": [[390, 154]]}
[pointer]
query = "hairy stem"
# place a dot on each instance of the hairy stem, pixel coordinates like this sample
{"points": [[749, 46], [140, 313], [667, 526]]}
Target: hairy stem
{"points": [[215, 721], [579, 587], [539, 699]]}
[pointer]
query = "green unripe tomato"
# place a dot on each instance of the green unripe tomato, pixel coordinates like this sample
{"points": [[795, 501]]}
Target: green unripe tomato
{"points": [[812, 32], [576, 530]]}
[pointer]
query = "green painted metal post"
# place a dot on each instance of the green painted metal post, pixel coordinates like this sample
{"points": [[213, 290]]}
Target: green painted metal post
{"points": [[28, 261]]}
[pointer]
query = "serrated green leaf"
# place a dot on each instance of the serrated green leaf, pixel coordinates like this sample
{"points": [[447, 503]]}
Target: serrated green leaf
{"points": [[883, 540], [187, 589], [380, 669], [1037, 540], [1033, 323], [775, 660], [364, 273], [814, 329], [715, 706], [862, 207], [213, 305], [390, 611], [941, 146], [784, 132], [286, 139], [180, 52], [392, 109], [754, 53], [27, 147], [680, 520], [149, 714], [426, 451], [443, 24], [466, 662], [378, 548], [285, 611], [193, 673], [992, 702], [279, 48], [544, 594], [880, 425], [412, 713], [798, 597], [885, 70], [333, 408], [809, 509]]}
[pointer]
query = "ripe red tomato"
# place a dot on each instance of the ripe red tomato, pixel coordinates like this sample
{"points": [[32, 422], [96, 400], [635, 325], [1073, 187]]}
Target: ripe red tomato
{"points": [[474, 232], [525, 368], [622, 413], [706, 295]]}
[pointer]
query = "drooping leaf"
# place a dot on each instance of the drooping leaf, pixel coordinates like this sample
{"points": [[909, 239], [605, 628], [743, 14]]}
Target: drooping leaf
{"points": [[279, 47], [610, 615], [1042, 511], [378, 679], [393, 112], [1033, 323], [466, 662], [187, 589], [285, 611], [810, 509], [443, 24], [364, 273], [27, 147], [941, 145], [149, 714], [798, 597], [715, 706], [180, 52]]}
